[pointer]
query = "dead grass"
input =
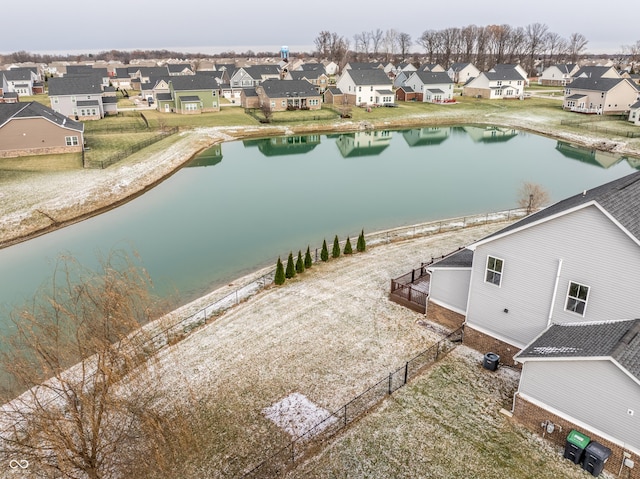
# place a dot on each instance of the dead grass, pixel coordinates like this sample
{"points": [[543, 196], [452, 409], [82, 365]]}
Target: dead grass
{"points": [[446, 424]]}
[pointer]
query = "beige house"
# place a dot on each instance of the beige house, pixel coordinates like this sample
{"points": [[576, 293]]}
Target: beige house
{"points": [[558, 75], [600, 95], [281, 95], [33, 129]]}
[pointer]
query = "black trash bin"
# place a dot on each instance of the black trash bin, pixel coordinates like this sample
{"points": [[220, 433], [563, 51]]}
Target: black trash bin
{"points": [[595, 457], [491, 361], [575, 445]]}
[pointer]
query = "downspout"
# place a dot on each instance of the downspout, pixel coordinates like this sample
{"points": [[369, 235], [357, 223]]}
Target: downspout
{"points": [[555, 293]]}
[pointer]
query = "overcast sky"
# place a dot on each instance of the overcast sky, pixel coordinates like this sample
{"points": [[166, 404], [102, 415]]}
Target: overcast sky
{"points": [[190, 25]]}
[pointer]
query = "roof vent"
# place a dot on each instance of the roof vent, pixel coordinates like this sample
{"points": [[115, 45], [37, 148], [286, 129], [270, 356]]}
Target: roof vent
{"points": [[584, 192]]}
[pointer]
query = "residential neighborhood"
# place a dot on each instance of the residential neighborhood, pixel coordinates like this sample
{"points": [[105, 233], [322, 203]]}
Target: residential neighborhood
{"points": [[541, 310]]}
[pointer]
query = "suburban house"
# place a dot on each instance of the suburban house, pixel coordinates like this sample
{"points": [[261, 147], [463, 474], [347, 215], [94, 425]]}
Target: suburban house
{"points": [[20, 81], [431, 67], [33, 129], [188, 94], [364, 66], [500, 67], [435, 87], [600, 95], [558, 75], [254, 75], [331, 68], [283, 95], [178, 69], [504, 83], [77, 97], [406, 93], [596, 72], [366, 87], [462, 72], [317, 77], [634, 113], [532, 294]]}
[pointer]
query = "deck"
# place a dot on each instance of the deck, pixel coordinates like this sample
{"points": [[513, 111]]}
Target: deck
{"points": [[412, 289]]}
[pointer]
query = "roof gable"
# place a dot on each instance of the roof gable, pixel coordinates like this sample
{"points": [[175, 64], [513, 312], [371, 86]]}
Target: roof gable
{"points": [[619, 199], [9, 111], [617, 340], [373, 76]]}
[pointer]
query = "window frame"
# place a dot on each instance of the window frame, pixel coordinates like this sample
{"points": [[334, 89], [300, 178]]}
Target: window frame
{"points": [[487, 270], [577, 299]]}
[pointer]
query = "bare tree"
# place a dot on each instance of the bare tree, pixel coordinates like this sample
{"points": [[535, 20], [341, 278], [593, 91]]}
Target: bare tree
{"points": [[633, 51], [361, 44], [430, 40], [450, 38], [536, 37], [532, 196], [469, 35], [390, 43], [555, 46], [323, 44], [376, 41], [404, 43], [76, 352], [577, 46]]}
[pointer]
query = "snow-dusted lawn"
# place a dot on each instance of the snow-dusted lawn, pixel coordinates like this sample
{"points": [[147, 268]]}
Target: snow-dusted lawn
{"points": [[326, 336]]}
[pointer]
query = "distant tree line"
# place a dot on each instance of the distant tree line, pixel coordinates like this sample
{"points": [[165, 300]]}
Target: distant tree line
{"points": [[484, 46]]}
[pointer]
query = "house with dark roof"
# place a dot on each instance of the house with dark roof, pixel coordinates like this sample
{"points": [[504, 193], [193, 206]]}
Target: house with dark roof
{"points": [[77, 97], [34, 129], [435, 87], [283, 95], [370, 86], [585, 376], [178, 69], [317, 77], [188, 94], [252, 76], [594, 71], [431, 67], [19, 80], [558, 75], [534, 294], [600, 95]]}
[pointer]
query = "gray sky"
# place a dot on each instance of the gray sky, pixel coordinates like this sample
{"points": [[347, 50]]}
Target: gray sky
{"points": [[71, 25]]}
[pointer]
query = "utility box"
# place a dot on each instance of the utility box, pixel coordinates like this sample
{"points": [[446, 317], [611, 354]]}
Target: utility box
{"points": [[575, 445], [491, 361], [595, 457]]}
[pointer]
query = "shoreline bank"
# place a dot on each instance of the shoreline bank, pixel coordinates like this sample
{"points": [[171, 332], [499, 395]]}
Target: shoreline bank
{"points": [[143, 171]]}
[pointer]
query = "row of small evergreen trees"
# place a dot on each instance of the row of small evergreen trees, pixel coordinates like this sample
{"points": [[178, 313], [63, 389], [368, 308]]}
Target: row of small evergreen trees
{"points": [[298, 266]]}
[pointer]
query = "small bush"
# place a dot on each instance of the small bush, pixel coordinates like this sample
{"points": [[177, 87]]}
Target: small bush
{"points": [[361, 246], [336, 248], [290, 272], [280, 278], [347, 247], [299, 263], [324, 255], [308, 261]]}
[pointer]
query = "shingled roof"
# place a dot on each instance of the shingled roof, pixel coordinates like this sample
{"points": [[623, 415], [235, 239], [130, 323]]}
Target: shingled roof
{"points": [[75, 85], [620, 198], [373, 76], [433, 78], [283, 88], [616, 340], [33, 109], [595, 83]]}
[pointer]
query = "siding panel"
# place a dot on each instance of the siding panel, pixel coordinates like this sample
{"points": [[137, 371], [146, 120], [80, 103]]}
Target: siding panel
{"points": [[594, 392], [594, 252], [450, 287]]}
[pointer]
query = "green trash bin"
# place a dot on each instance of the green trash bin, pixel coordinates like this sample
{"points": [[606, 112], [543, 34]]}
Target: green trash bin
{"points": [[575, 445]]}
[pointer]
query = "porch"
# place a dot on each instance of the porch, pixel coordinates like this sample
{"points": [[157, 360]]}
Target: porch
{"points": [[412, 289]]}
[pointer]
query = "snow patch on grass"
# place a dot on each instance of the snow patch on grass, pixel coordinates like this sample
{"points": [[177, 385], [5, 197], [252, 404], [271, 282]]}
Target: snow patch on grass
{"points": [[296, 414]]}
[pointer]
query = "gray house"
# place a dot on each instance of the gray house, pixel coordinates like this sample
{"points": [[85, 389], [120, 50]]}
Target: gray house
{"points": [[78, 97], [588, 376], [555, 291]]}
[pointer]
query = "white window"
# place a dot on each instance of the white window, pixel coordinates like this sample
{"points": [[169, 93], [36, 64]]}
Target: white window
{"points": [[71, 140], [577, 296], [493, 274]]}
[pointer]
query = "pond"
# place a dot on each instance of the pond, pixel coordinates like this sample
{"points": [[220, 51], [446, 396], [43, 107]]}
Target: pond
{"points": [[240, 205]]}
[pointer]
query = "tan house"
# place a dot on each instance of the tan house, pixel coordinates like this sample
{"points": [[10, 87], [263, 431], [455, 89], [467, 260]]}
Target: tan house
{"points": [[33, 129], [283, 95], [600, 95]]}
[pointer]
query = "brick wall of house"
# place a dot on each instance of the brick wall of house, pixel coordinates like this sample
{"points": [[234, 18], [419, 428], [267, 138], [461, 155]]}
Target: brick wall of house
{"points": [[40, 151], [486, 344], [444, 316], [532, 417]]}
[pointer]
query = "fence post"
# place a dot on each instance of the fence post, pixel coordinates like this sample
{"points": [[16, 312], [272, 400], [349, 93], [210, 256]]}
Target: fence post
{"points": [[390, 381], [406, 371], [345, 415]]}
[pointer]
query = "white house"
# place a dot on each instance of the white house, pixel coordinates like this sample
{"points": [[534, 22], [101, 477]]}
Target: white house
{"points": [[367, 87], [558, 75], [462, 72], [496, 85], [436, 87]]}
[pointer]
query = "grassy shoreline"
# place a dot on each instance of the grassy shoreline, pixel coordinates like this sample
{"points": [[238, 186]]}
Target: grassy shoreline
{"points": [[37, 210]]}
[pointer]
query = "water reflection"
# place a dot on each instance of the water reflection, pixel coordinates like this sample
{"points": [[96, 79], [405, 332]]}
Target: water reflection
{"points": [[285, 145], [426, 136], [489, 134], [602, 159], [209, 157], [363, 143]]}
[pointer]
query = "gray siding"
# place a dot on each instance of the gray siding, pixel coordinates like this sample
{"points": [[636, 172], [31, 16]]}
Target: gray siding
{"points": [[450, 287], [597, 393], [595, 252]]}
